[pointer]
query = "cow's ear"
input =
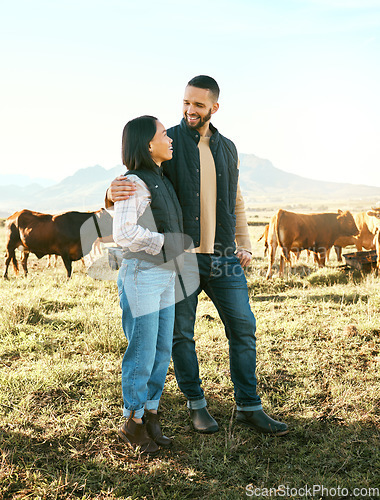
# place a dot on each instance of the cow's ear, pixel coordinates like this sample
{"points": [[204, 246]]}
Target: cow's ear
{"points": [[372, 214], [340, 211]]}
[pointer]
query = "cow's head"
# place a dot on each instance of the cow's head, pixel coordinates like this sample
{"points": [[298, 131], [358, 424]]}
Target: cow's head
{"points": [[375, 212], [347, 223]]}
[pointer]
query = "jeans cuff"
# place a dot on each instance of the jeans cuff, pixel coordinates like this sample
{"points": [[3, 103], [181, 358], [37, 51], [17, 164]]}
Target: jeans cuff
{"points": [[152, 405], [196, 404], [138, 413], [249, 408]]}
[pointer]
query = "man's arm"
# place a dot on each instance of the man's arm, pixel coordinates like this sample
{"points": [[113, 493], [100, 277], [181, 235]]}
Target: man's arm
{"points": [[119, 190], [243, 242]]}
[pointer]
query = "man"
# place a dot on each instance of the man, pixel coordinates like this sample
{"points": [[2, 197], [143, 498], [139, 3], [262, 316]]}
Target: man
{"points": [[204, 173]]}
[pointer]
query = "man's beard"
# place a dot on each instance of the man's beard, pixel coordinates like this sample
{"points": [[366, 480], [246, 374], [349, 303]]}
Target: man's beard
{"points": [[202, 121]]}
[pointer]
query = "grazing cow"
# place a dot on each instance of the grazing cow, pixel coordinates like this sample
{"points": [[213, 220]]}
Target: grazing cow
{"points": [[70, 235], [294, 232], [367, 226], [271, 243], [374, 215]]}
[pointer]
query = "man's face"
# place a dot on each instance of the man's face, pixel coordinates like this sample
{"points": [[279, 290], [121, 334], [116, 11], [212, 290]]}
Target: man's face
{"points": [[198, 106]]}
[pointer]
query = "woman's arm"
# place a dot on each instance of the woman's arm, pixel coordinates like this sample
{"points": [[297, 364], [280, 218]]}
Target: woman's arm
{"points": [[126, 231]]}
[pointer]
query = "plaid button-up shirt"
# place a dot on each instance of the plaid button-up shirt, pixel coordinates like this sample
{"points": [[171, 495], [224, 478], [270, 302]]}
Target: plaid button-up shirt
{"points": [[126, 231]]}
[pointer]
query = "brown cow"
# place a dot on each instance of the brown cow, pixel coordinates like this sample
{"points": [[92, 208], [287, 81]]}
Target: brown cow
{"points": [[271, 244], [315, 232], [367, 226], [70, 235]]}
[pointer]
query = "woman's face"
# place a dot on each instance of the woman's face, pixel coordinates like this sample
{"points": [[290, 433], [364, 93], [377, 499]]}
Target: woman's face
{"points": [[160, 147]]}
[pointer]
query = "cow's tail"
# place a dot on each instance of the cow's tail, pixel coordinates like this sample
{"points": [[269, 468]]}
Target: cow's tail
{"points": [[265, 236], [10, 249]]}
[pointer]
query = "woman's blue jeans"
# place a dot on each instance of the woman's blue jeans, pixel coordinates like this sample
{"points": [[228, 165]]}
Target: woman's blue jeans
{"points": [[146, 294], [223, 280]]}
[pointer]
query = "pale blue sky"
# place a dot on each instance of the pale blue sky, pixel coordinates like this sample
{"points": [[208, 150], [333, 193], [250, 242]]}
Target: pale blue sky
{"points": [[300, 80]]}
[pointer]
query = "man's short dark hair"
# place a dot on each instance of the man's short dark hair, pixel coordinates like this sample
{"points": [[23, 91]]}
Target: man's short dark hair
{"points": [[206, 82]]}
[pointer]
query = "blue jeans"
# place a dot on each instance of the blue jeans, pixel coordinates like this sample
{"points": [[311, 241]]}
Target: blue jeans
{"points": [[146, 294], [223, 280]]}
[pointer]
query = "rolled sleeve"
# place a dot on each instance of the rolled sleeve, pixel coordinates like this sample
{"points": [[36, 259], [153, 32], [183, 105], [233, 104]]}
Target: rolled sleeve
{"points": [[126, 231], [242, 238]]}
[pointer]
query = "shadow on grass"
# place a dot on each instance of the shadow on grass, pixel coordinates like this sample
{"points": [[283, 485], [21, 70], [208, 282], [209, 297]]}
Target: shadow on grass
{"points": [[340, 298], [88, 462], [272, 298]]}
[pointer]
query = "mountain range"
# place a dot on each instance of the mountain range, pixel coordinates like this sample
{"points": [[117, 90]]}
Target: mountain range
{"points": [[261, 183]]}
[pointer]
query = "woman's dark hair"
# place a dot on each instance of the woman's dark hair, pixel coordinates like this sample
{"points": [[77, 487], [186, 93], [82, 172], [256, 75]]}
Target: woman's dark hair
{"points": [[137, 135]]}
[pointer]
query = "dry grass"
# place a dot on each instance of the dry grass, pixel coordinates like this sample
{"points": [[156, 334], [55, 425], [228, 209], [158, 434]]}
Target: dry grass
{"points": [[60, 396]]}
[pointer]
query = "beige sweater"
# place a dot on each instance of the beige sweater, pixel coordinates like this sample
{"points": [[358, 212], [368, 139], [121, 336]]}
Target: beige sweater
{"points": [[208, 205]]}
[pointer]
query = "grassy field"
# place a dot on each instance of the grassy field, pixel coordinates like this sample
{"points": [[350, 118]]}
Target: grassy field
{"points": [[318, 370]]}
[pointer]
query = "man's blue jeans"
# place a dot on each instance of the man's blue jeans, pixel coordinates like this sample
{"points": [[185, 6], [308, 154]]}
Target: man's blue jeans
{"points": [[147, 300], [223, 280]]}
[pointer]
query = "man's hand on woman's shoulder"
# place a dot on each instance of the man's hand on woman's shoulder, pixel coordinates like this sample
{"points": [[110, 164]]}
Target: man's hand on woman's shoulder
{"points": [[120, 189]]}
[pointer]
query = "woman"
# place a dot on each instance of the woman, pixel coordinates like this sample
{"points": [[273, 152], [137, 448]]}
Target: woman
{"points": [[145, 226]]}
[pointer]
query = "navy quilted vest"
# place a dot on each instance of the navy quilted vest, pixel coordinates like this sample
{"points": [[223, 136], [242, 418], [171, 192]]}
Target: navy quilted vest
{"points": [[184, 172]]}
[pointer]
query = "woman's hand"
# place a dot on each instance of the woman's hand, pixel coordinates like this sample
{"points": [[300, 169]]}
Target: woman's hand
{"points": [[120, 189]]}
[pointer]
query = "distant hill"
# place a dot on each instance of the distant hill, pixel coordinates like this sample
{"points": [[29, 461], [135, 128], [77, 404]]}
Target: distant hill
{"points": [[82, 191], [260, 182]]}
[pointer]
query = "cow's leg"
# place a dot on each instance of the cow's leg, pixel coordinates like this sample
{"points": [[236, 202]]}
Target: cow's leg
{"points": [[315, 256], [50, 258], [68, 264], [24, 261], [271, 256], [282, 266], [10, 256], [338, 251], [285, 258], [296, 252], [321, 257]]}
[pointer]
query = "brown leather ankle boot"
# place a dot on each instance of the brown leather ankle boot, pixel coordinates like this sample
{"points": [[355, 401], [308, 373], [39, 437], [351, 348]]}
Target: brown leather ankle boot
{"points": [[136, 436], [154, 429]]}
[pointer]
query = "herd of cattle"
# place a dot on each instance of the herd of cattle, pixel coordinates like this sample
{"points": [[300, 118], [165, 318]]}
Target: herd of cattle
{"points": [[318, 233], [73, 234]]}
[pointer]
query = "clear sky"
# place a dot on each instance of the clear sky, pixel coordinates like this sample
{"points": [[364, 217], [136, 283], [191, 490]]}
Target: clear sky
{"points": [[300, 80]]}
